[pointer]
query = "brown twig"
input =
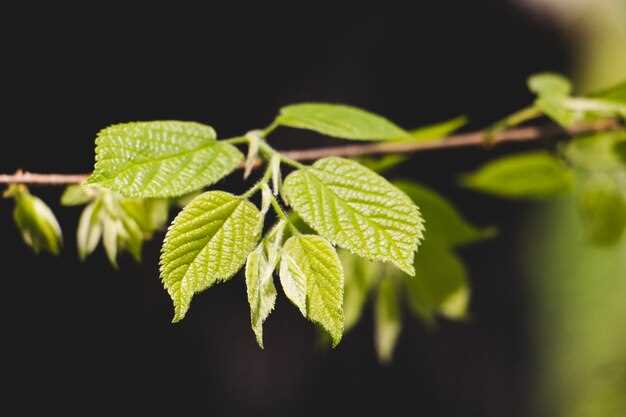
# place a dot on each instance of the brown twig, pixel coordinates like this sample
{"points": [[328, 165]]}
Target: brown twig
{"points": [[520, 134]]}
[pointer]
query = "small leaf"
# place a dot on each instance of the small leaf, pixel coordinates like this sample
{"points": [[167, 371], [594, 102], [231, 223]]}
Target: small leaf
{"points": [[603, 210], [77, 195], [387, 320], [277, 177], [440, 284], [36, 222], [360, 276], [312, 278], [253, 152], [340, 121], [549, 85], [111, 230], [443, 220], [358, 209], [207, 243], [150, 214], [161, 158], [529, 175], [437, 131], [89, 229], [261, 291]]}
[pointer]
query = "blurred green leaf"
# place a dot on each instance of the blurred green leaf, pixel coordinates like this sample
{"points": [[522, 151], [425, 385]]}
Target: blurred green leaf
{"points": [[360, 276], [549, 84], [437, 131], [527, 175], [35, 221], [89, 229], [602, 207], [615, 94], [77, 195], [383, 163], [440, 285], [620, 150], [596, 152], [340, 121], [387, 320], [443, 221]]}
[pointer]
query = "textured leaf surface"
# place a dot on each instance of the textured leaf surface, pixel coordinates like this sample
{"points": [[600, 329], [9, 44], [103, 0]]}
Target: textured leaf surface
{"points": [[36, 222], [161, 158], [529, 175], [260, 267], [357, 209], [444, 222], [440, 284], [340, 121], [207, 242], [312, 278], [387, 320]]}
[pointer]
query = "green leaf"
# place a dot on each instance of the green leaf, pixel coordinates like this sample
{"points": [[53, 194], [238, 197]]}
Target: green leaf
{"points": [[207, 243], [149, 214], [340, 121], [440, 284], [615, 94], [36, 222], [360, 276], [383, 163], [528, 175], [312, 278], [444, 222], [438, 130], [549, 84], [602, 206], [260, 267], [387, 320], [77, 195], [596, 152], [89, 229], [357, 209], [161, 158]]}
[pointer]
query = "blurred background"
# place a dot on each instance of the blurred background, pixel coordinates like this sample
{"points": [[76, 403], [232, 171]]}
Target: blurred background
{"points": [[546, 335]]}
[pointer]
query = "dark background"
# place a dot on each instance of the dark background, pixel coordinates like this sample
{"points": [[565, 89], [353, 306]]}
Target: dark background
{"points": [[84, 337]]}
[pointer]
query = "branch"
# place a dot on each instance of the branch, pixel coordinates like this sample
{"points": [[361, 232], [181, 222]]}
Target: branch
{"points": [[521, 134]]}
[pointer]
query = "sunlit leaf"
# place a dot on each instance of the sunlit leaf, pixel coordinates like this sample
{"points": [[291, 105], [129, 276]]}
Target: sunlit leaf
{"points": [[207, 243], [350, 205], [312, 278], [340, 121], [161, 158]]}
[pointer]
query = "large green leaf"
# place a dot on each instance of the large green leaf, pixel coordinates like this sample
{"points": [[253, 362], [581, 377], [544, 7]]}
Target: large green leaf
{"points": [[312, 278], [36, 222], [527, 175], [444, 222], [340, 121], [387, 320], [440, 284], [207, 242], [161, 158], [260, 266], [357, 209]]}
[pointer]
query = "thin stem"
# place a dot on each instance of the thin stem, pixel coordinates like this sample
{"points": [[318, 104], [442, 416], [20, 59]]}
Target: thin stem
{"points": [[282, 215], [521, 134], [235, 141]]}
